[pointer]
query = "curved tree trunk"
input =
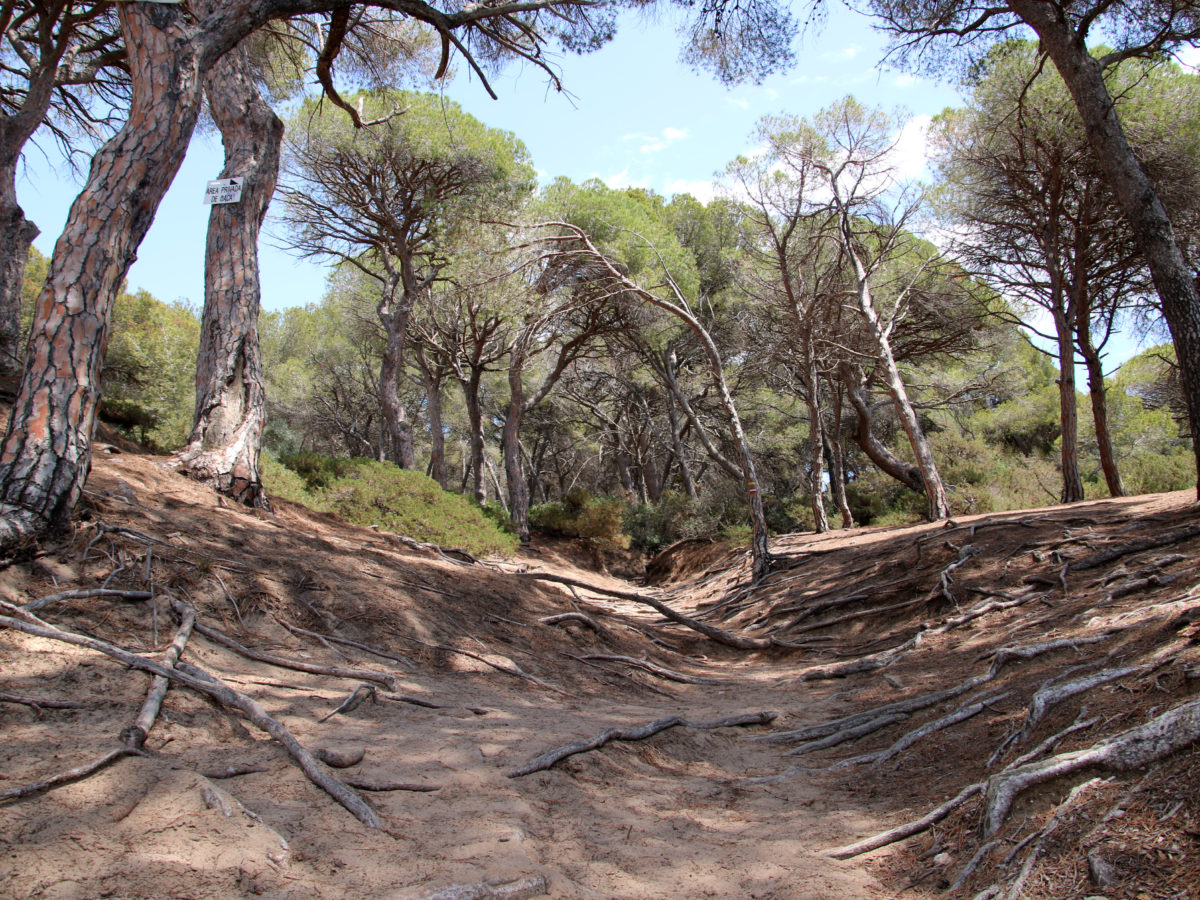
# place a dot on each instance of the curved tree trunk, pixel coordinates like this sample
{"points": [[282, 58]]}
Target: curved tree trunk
{"points": [[1068, 412], [864, 435], [46, 453], [837, 466], [226, 440], [1135, 193]]}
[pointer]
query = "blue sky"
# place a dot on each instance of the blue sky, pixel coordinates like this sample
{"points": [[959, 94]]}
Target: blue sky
{"points": [[632, 114]]}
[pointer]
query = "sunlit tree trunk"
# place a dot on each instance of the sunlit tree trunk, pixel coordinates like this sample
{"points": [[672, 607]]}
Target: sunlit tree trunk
{"points": [[1099, 397], [226, 440], [46, 454], [431, 378], [518, 487], [864, 435], [816, 439], [837, 466]]}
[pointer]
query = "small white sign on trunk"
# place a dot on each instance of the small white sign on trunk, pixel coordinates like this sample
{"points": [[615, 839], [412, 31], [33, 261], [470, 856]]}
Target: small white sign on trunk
{"points": [[226, 190]]}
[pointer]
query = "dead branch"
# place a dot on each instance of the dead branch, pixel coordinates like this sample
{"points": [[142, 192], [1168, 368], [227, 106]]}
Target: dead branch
{"points": [[639, 733], [297, 665], [653, 668], [201, 681], [717, 634], [132, 738], [345, 642]]}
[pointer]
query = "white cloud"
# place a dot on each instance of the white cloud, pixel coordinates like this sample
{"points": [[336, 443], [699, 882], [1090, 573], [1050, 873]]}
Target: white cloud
{"points": [[740, 104], [704, 191], [621, 180], [675, 134], [909, 154], [659, 142], [1189, 56], [846, 53], [905, 80]]}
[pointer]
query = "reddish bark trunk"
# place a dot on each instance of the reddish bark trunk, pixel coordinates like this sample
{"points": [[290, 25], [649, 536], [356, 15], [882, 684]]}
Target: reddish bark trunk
{"points": [[46, 453], [1068, 413], [226, 440], [1099, 397]]}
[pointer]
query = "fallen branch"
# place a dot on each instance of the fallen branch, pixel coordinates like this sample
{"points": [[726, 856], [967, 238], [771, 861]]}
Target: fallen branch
{"points": [[639, 733], [297, 665], [201, 681]]}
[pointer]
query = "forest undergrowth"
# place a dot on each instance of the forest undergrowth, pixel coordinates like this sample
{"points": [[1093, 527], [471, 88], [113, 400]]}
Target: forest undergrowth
{"points": [[1001, 706]]}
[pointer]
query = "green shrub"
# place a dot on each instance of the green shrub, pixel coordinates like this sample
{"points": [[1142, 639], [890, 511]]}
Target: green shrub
{"points": [[580, 515], [368, 492]]}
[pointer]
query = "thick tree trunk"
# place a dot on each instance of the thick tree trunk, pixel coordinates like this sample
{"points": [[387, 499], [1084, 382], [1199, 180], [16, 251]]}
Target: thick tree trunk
{"points": [[437, 434], [685, 468], [1099, 397], [46, 453], [1068, 412], [16, 237], [1135, 193], [864, 435], [226, 440]]}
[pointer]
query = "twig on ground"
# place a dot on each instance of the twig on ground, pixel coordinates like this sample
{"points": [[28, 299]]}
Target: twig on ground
{"points": [[641, 732]]}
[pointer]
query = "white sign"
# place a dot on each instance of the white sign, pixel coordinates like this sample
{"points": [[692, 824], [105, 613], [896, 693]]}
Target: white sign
{"points": [[227, 190]]}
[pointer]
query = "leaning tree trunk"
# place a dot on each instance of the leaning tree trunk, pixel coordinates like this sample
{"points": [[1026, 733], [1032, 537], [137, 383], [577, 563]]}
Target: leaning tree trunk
{"points": [[864, 435], [1068, 411], [685, 468], [1099, 397], [46, 454], [837, 465], [1134, 191], [226, 440]]}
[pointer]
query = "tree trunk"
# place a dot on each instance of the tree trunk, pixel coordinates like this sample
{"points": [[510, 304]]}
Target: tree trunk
{"points": [[1099, 398], [816, 440], [1067, 410], [470, 388], [685, 468], [437, 435], [16, 237], [399, 429], [226, 440], [837, 468], [46, 453], [864, 435], [518, 488], [1135, 193]]}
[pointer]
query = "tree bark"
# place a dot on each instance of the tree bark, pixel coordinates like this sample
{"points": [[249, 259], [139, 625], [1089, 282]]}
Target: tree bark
{"points": [[46, 454], [1067, 410], [16, 237], [1135, 193], [518, 487], [816, 439], [864, 435], [470, 387], [1099, 397], [226, 440], [837, 467], [390, 369], [432, 380], [685, 468]]}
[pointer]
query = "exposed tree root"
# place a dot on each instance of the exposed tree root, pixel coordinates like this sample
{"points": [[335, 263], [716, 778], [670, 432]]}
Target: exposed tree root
{"points": [[863, 664], [364, 784], [850, 733], [1115, 553], [382, 654], [284, 662], [900, 832], [499, 663], [201, 681], [652, 668], [42, 704], [719, 635], [132, 738], [35, 605], [579, 617], [517, 889], [641, 732], [1136, 747], [357, 696]]}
